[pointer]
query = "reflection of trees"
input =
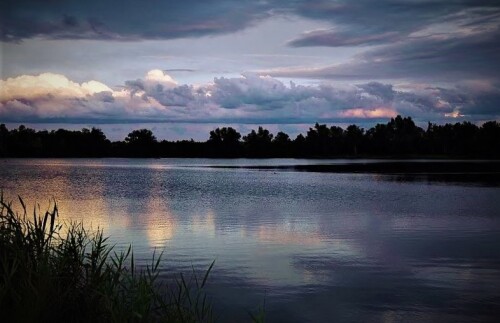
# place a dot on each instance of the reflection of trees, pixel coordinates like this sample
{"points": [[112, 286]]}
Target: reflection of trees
{"points": [[399, 137]]}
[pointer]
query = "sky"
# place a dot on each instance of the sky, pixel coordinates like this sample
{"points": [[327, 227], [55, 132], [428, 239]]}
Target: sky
{"points": [[182, 68]]}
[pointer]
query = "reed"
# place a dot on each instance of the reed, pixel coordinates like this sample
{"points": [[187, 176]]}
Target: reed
{"points": [[53, 271]]}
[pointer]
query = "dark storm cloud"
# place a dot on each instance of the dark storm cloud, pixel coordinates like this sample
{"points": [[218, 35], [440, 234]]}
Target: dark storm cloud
{"points": [[187, 70], [182, 95], [485, 99], [422, 41], [126, 19], [366, 22], [384, 91], [356, 22], [435, 57], [334, 38]]}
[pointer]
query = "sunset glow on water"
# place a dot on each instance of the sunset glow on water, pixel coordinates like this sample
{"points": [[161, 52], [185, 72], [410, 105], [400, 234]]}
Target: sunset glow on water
{"points": [[314, 245]]}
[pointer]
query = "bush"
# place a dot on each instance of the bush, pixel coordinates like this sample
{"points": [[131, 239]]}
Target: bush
{"points": [[51, 271]]}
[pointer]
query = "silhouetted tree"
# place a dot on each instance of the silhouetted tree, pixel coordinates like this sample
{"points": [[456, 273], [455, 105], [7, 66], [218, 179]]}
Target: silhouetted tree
{"points": [[282, 145], [398, 137], [354, 139], [337, 140], [141, 142], [378, 138], [465, 138], [319, 141], [489, 139], [225, 135], [404, 135], [300, 146], [282, 138], [258, 144], [224, 142], [141, 137], [4, 137]]}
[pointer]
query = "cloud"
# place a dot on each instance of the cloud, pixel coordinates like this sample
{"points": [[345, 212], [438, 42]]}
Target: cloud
{"points": [[187, 70], [334, 38], [126, 20], [54, 96], [27, 87], [428, 59], [155, 80], [369, 113], [367, 22], [364, 21], [249, 90], [424, 41], [250, 99], [463, 56]]}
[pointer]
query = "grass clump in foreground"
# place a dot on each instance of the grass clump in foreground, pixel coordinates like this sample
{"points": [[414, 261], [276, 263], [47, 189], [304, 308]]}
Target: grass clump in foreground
{"points": [[65, 273]]}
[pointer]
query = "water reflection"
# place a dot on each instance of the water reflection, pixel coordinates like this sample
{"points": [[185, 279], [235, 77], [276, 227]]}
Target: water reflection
{"points": [[487, 180], [160, 223], [204, 223], [321, 246], [287, 236]]}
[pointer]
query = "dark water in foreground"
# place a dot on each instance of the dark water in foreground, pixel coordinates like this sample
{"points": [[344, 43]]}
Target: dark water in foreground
{"points": [[317, 246]]}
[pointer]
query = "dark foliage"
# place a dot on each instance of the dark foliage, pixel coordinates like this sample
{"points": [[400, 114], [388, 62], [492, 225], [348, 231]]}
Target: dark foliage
{"points": [[52, 271], [400, 137]]}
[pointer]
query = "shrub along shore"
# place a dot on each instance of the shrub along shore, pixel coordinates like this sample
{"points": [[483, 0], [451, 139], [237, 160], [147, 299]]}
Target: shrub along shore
{"points": [[56, 272], [398, 138]]}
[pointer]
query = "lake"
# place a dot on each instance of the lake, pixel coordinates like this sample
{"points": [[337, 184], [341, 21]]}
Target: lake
{"points": [[315, 246]]}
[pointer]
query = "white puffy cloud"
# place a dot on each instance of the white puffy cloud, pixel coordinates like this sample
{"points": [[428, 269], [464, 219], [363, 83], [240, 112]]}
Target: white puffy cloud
{"points": [[155, 78], [47, 84], [50, 95], [246, 99]]}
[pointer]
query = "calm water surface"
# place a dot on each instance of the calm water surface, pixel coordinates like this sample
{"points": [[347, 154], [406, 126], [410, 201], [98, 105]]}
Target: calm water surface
{"points": [[317, 247]]}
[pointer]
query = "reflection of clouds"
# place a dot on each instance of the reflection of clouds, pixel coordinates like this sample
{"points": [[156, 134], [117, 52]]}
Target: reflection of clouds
{"points": [[160, 228], [92, 214], [275, 264], [204, 223], [309, 276], [279, 235], [160, 222], [390, 317], [86, 205], [341, 239]]}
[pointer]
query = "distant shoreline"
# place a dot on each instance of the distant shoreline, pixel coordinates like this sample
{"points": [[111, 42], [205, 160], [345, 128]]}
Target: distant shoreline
{"points": [[390, 167], [398, 159], [398, 138]]}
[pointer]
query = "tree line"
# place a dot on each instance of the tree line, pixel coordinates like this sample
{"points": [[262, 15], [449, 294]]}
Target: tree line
{"points": [[400, 137]]}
